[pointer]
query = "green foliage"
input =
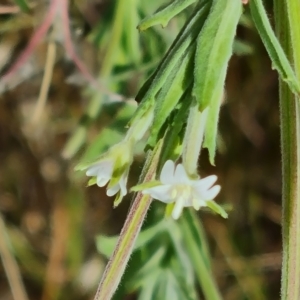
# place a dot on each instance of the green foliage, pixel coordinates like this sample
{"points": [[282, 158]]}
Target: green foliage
{"points": [[190, 77], [276, 53], [214, 49], [170, 94], [167, 67], [110, 135], [173, 69], [164, 271], [165, 15]]}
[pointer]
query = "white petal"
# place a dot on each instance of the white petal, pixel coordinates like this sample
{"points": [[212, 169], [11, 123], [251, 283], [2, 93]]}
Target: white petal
{"points": [[122, 183], [211, 193], [198, 202], [180, 175], [167, 172], [93, 170], [161, 192], [177, 210], [206, 182], [113, 190], [106, 168], [102, 169], [102, 181]]}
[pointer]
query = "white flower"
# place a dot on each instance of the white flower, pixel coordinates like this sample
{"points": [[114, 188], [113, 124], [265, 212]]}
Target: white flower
{"points": [[177, 187], [111, 168], [103, 172]]}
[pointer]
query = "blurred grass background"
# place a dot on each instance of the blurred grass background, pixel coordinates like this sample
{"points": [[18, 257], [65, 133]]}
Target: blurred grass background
{"points": [[49, 219]]}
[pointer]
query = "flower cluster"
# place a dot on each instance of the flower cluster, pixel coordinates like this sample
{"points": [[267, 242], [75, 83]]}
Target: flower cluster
{"points": [[112, 167], [177, 185]]}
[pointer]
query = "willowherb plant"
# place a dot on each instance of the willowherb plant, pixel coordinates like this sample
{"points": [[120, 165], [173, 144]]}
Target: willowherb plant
{"points": [[179, 106]]}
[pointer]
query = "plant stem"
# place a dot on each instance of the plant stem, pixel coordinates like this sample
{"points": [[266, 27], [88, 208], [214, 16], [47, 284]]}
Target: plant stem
{"points": [[287, 27], [117, 264]]}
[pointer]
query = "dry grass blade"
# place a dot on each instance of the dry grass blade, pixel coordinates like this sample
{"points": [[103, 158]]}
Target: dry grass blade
{"points": [[10, 266], [50, 61]]}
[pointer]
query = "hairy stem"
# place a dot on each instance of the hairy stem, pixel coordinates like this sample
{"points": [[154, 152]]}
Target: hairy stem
{"points": [[117, 264], [287, 27]]}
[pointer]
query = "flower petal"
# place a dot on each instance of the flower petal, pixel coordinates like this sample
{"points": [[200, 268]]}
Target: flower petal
{"points": [[167, 172], [113, 190], [211, 193], [161, 193], [180, 175], [198, 202], [122, 183], [106, 168], [102, 181], [178, 207], [102, 169], [206, 182], [93, 170]]}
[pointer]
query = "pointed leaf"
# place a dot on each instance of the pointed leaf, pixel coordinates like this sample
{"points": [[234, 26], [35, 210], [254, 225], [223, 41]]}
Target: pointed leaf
{"points": [[214, 49], [217, 209], [106, 245], [165, 15], [275, 51]]}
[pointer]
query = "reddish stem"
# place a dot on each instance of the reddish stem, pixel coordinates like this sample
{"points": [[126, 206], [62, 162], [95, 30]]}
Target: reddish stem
{"points": [[35, 39]]}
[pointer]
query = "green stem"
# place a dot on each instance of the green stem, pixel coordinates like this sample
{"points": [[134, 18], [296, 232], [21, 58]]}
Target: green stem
{"points": [[117, 264], [287, 14]]}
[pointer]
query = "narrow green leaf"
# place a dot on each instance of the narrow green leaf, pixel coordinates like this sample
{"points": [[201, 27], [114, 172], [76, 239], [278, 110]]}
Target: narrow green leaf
{"points": [[170, 94], [275, 51], [105, 245], [165, 15], [185, 38], [214, 49], [150, 287], [211, 129], [173, 136], [152, 265], [199, 260], [195, 226], [92, 181], [183, 258], [217, 209], [145, 185]]}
